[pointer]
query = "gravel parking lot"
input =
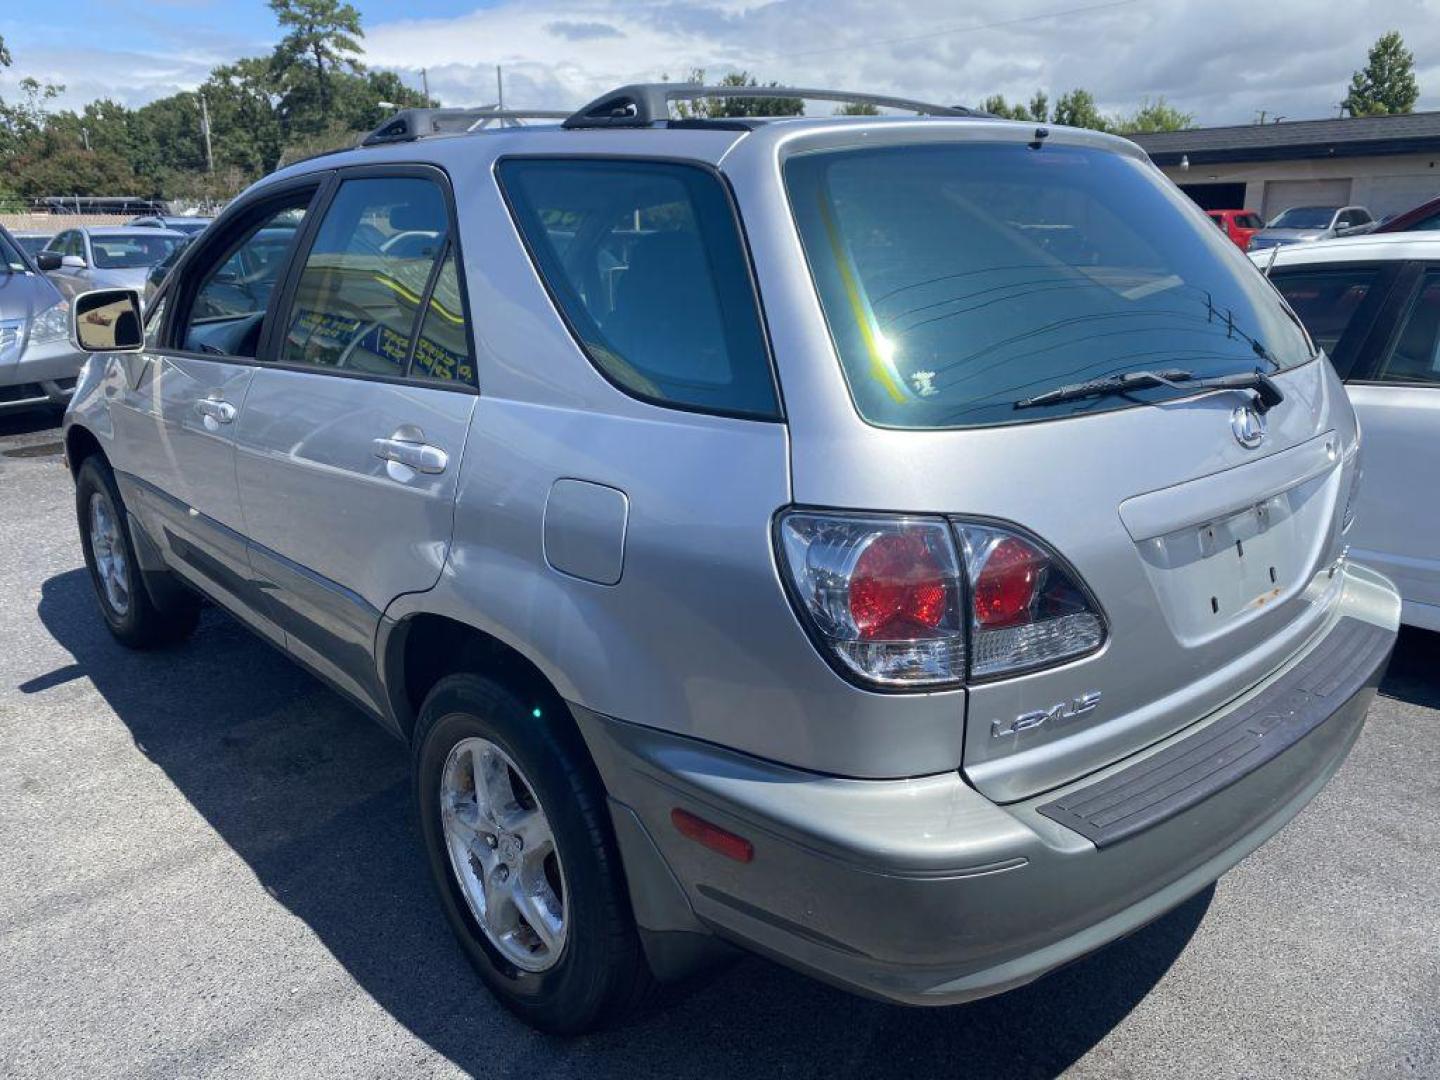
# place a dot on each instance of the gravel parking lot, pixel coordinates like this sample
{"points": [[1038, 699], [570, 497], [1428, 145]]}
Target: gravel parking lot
{"points": [[206, 868]]}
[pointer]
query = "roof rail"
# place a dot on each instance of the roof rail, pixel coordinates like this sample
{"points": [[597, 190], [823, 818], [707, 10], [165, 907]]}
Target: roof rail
{"points": [[410, 124], [643, 104]]}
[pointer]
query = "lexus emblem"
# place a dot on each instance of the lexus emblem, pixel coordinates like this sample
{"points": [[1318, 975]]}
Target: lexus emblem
{"points": [[1248, 424]]}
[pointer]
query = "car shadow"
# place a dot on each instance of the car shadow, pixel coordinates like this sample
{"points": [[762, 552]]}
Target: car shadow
{"points": [[1411, 676], [315, 799]]}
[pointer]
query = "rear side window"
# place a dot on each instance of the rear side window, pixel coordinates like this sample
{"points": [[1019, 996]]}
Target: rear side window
{"points": [[362, 289], [646, 263], [1326, 299], [960, 280], [1250, 221]]}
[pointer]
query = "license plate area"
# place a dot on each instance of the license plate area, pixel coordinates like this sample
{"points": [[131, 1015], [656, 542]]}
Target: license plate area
{"points": [[1211, 576]]}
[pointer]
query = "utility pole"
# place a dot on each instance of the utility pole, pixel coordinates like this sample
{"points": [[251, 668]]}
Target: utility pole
{"points": [[1261, 114], [205, 130], [425, 84], [499, 89]]}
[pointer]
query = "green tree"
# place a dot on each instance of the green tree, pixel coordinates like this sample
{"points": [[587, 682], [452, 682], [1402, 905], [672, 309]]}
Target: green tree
{"points": [[996, 105], [1157, 115], [72, 170], [717, 108], [22, 123], [1077, 108], [858, 108], [1040, 107], [320, 40], [5, 60], [1387, 83], [245, 125]]}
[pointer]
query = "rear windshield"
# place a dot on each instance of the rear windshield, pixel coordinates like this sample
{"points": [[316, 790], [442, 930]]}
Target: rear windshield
{"points": [[960, 279], [131, 250]]}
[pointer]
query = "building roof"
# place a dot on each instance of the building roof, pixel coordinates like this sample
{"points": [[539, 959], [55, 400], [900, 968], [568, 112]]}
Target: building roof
{"points": [[1351, 136]]}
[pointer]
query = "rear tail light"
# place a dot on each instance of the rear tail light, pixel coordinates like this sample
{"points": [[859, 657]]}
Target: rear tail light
{"points": [[910, 602], [884, 594], [1029, 610]]}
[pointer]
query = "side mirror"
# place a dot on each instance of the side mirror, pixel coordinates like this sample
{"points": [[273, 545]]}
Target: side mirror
{"points": [[47, 260], [72, 262], [108, 320]]}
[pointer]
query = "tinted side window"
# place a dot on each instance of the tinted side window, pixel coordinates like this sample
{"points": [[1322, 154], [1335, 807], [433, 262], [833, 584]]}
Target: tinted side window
{"points": [[442, 350], [1415, 356], [1326, 300], [646, 263], [235, 284], [1251, 221], [358, 300]]}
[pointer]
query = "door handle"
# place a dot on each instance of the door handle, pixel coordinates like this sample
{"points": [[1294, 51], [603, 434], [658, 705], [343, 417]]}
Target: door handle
{"points": [[408, 447], [217, 409]]}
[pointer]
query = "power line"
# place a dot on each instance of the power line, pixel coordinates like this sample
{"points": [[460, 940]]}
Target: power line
{"points": [[788, 53]]}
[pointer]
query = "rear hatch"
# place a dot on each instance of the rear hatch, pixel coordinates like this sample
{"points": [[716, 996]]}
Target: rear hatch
{"points": [[961, 277]]}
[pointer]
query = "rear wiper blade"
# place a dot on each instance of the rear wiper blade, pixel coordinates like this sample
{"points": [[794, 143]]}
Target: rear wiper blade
{"points": [[1110, 384], [1267, 394]]}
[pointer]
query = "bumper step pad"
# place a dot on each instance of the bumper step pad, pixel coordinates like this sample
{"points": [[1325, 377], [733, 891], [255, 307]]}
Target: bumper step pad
{"points": [[1172, 781]]}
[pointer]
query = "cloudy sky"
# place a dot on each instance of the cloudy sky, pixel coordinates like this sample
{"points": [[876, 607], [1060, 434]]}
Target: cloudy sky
{"points": [[1220, 59]]}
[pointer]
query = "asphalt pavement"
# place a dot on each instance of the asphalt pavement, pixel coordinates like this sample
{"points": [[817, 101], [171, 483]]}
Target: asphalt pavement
{"points": [[207, 868]]}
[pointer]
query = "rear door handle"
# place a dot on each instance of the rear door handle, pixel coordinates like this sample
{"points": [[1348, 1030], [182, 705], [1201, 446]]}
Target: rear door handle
{"points": [[408, 447], [217, 409]]}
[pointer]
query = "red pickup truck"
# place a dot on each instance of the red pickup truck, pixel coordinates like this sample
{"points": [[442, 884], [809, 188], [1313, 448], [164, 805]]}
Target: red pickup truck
{"points": [[1239, 225]]}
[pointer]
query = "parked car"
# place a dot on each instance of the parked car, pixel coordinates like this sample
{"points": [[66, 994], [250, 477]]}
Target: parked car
{"points": [[31, 242], [924, 633], [1373, 304], [105, 257], [1302, 224], [1239, 225], [156, 275], [1423, 218], [38, 362], [174, 222]]}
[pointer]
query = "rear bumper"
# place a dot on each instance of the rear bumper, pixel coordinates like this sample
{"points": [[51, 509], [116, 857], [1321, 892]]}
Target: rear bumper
{"points": [[43, 375], [923, 891]]}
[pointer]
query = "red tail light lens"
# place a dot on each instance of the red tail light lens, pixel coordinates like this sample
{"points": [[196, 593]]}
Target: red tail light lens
{"points": [[1028, 609], [1006, 585], [885, 594], [898, 589]]}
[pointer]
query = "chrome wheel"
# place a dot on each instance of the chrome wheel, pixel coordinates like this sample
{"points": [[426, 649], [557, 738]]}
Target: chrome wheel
{"points": [[108, 547], [503, 854]]}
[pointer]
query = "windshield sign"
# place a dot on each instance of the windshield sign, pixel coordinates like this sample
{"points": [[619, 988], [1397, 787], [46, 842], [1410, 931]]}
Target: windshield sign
{"points": [[960, 280]]}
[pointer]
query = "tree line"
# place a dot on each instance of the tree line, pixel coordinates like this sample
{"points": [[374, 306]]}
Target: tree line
{"points": [[312, 93]]}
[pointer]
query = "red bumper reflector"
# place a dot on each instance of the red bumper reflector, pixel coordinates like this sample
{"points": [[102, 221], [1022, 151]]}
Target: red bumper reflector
{"points": [[712, 836]]}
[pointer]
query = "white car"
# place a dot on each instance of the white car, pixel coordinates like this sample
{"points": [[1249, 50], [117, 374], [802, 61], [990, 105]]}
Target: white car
{"points": [[1373, 304]]}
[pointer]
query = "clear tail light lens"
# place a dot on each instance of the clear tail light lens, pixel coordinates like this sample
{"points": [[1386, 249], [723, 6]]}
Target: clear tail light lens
{"points": [[1028, 609], [885, 594], [897, 603]]}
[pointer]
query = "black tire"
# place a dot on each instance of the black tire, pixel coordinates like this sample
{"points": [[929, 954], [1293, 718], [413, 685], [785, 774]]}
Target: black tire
{"points": [[139, 623], [601, 975]]}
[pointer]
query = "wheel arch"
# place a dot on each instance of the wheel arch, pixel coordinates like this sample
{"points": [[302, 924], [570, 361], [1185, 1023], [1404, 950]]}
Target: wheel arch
{"points": [[420, 649], [81, 443]]}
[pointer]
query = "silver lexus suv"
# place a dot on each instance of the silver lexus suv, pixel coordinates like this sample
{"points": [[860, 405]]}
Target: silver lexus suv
{"points": [[912, 549]]}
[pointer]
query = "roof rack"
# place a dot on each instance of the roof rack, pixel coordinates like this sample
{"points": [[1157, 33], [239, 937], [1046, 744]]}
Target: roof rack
{"points": [[410, 124], [643, 104]]}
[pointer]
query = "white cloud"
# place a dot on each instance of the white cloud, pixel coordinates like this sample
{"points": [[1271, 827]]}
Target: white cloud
{"points": [[1221, 59]]}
